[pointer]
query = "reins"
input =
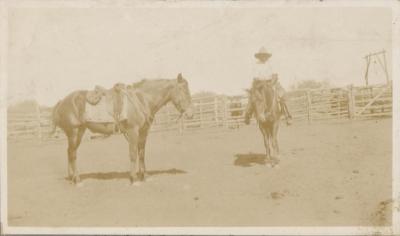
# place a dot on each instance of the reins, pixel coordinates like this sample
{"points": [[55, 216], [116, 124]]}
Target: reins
{"points": [[179, 117]]}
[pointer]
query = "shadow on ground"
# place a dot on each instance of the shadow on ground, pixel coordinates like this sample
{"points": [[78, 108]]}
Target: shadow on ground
{"points": [[250, 159], [125, 174]]}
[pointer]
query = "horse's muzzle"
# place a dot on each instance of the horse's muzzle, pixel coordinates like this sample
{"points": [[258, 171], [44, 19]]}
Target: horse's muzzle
{"points": [[261, 118], [188, 113], [269, 116]]}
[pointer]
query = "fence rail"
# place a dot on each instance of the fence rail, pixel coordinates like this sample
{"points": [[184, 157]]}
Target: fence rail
{"points": [[228, 111]]}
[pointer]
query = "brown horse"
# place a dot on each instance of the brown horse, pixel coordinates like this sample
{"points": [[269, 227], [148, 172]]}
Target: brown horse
{"points": [[263, 98], [145, 99]]}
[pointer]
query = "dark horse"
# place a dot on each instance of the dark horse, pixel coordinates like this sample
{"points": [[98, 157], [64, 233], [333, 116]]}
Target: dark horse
{"points": [[145, 98], [263, 98]]}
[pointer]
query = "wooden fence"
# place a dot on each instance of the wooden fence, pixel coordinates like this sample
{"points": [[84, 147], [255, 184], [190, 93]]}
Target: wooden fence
{"points": [[228, 111]]}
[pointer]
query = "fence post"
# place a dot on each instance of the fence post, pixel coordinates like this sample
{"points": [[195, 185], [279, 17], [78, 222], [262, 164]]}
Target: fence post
{"points": [[201, 112], [216, 110], [181, 126], [338, 103], [351, 101], [39, 126], [309, 118], [226, 110], [168, 115]]}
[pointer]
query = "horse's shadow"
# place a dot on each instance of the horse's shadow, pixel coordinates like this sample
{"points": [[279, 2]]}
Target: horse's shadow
{"points": [[250, 159], [125, 174]]}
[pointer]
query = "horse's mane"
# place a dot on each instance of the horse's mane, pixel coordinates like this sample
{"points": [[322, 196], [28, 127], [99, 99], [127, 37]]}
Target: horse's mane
{"points": [[256, 84], [136, 98], [139, 84], [149, 82]]}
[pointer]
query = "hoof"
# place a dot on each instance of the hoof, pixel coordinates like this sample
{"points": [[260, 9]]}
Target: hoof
{"points": [[274, 163], [136, 184], [275, 160], [79, 185], [140, 176], [276, 166], [75, 180], [149, 179]]}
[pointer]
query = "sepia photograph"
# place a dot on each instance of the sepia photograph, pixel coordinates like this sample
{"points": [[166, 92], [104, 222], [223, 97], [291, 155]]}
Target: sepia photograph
{"points": [[200, 117]]}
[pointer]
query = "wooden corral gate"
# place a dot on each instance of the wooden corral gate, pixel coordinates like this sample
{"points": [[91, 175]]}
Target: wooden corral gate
{"points": [[341, 103], [228, 111]]}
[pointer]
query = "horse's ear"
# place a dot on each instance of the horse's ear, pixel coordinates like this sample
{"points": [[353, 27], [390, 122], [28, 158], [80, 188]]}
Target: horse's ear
{"points": [[119, 86], [180, 78], [248, 91]]}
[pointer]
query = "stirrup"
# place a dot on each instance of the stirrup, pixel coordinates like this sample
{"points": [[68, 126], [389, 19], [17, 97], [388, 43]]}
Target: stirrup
{"points": [[117, 129], [247, 121], [288, 120]]}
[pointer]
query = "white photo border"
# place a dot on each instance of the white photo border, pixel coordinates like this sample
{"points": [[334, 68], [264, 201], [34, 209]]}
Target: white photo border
{"points": [[392, 230]]}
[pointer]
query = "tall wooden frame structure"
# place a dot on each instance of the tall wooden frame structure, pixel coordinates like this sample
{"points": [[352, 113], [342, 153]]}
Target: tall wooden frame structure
{"points": [[382, 63]]}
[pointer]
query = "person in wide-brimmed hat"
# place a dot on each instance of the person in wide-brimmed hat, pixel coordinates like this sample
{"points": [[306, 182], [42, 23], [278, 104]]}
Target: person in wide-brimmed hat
{"points": [[262, 55], [262, 71]]}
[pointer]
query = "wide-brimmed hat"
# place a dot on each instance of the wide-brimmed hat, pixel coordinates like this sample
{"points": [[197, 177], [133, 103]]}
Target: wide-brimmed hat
{"points": [[262, 55]]}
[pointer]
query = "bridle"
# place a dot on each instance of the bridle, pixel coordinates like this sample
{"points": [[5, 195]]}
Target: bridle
{"points": [[178, 106]]}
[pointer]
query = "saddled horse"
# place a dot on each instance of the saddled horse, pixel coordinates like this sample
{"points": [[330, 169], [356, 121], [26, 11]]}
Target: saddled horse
{"points": [[145, 99], [263, 98]]}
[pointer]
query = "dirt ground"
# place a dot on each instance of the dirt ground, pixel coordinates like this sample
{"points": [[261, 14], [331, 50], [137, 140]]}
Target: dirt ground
{"points": [[336, 174]]}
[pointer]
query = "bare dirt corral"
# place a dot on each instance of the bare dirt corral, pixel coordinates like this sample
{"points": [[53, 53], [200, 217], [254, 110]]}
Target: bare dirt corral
{"points": [[335, 174]]}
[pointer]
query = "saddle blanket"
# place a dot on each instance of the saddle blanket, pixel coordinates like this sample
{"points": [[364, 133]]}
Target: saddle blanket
{"points": [[103, 111]]}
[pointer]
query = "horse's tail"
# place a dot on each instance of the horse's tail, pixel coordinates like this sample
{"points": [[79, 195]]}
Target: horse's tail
{"points": [[55, 117]]}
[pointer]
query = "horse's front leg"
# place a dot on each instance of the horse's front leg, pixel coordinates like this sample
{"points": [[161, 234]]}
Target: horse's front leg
{"points": [[275, 147], [143, 132], [266, 142], [142, 166], [274, 138], [274, 143], [133, 136]]}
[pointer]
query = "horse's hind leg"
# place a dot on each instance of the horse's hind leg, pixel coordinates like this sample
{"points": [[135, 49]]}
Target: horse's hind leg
{"points": [[133, 136], [71, 135], [141, 153], [142, 167], [74, 140]]}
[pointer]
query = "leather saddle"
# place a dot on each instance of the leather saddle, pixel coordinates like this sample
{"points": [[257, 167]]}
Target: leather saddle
{"points": [[112, 100]]}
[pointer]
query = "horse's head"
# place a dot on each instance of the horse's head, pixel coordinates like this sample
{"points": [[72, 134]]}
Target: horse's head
{"points": [[263, 98], [118, 87], [181, 98], [271, 95], [257, 99]]}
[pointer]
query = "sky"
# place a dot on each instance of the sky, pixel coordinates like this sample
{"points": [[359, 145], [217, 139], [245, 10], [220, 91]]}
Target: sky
{"points": [[53, 51]]}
